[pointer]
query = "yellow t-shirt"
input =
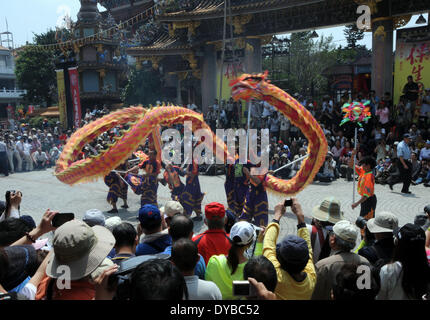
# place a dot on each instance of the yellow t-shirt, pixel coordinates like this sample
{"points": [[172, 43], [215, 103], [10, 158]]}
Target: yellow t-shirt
{"points": [[288, 288]]}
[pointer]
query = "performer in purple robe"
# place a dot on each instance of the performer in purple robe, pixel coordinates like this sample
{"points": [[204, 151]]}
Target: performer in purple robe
{"points": [[192, 195]]}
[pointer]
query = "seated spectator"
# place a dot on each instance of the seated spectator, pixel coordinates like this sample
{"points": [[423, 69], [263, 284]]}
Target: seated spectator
{"points": [[346, 289], [155, 240], [185, 257], [328, 169], [262, 270], [126, 240], [158, 279], [94, 217], [324, 218], [182, 226], [222, 269], [215, 240], [382, 227], [82, 249], [40, 159], [342, 241], [408, 276], [292, 257]]}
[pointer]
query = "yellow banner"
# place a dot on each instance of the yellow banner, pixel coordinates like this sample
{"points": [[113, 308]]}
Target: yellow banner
{"points": [[62, 98], [412, 59]]}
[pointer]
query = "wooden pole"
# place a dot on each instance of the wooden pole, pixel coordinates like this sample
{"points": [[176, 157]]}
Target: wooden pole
{"points": [[353, 176]]}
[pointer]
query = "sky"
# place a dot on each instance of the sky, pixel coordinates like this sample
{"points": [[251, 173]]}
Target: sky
{"points": [[25, 17]]}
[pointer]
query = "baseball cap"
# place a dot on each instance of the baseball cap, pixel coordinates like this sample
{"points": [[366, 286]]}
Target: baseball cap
{"points": [[293, 249], [172, 208], [242, 233], [147, 214], [94, 217], [80, 247], [407, 135], [383, 222], [214, 210], [346, 231], [328, 210], [428, 142], [112, 222]]}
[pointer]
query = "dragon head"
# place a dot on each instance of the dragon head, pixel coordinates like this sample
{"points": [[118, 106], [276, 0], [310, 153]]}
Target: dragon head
{"points": [[249, 86]]}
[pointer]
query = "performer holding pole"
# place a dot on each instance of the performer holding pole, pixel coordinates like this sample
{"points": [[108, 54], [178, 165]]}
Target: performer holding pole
{"points": [[192, 195], [171, 176], [366, 186], [147, 184], [117, 189]]}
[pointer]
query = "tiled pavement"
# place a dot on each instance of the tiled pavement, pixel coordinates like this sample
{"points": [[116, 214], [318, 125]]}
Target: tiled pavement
{"points": [[41, 190]]}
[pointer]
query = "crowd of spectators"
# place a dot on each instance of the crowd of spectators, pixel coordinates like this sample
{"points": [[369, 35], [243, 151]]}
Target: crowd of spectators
{"points": [[99, 258]]}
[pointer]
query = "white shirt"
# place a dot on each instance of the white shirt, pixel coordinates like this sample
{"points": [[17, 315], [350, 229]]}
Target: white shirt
{"points": [[201, 289], [425, 154], [39, 156], [14, 213], [391, 282]]}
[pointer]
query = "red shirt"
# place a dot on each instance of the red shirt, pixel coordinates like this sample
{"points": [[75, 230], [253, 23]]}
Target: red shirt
{"points": [[212, 242]]}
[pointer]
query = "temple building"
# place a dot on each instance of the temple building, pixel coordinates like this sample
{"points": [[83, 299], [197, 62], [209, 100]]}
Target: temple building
{"points": [[100, 70], [186, 39]]}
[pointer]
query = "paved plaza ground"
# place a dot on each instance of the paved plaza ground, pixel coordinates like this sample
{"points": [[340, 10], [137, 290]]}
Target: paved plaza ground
{"points": [[41, 190]]}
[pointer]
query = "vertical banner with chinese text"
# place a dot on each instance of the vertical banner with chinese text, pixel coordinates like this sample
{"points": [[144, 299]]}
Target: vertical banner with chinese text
{"points": [[76, 101], [412, 59], [61, 98]]}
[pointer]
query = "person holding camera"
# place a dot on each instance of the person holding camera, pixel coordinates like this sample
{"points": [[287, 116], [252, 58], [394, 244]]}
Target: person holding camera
{"points": [[13, 202], [366, 186], [292, 257]]}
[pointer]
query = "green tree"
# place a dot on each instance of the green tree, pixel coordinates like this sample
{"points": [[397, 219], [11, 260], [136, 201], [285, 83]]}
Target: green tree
{"points": [[143, 87], [35, 70], [353, 35]]}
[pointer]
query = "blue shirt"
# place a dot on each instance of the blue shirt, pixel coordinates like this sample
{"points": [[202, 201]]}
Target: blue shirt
{"points": [[200, 268], [154, 247], [403, 151]]}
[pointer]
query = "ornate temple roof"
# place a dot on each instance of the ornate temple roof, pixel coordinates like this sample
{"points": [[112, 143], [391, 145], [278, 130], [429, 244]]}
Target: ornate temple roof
{"points": [[209, 9], [163, 45]]}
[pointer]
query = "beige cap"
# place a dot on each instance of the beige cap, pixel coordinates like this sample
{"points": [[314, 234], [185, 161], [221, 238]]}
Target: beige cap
{"points": [[328, 210], [346, 231], [383, 222], [79, 247], [172, 208]]}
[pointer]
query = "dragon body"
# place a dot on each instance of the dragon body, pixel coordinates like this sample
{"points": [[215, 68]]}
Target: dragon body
{"points": [[145, 123]]}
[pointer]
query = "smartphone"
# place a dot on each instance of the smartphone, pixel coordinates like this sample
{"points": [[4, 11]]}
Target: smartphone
{"points": [[61, 218], [243, 289], [288, 203]]}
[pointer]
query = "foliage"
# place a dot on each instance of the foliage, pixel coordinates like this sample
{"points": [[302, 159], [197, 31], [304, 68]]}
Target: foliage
{"points": [[353, 35], [35, 70], [304, 65], [143, 87]]}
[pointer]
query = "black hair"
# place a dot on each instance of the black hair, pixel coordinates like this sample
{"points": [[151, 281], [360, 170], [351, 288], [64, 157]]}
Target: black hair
{"points": [[345, 287], [415, 268], [157, 279], [181, 226], [216, 223], [4, 265], [233, 254], [11, 230], [125, 235], [185, 254], [369, 161], [151, 225], [261, 269]]}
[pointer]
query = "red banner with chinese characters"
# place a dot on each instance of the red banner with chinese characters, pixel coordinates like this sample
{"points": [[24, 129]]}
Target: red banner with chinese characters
{"points": [[412, 59], [76, 101]]}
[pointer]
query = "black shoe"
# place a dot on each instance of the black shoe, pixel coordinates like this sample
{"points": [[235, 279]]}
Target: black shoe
{"points": [[125, 206], [406, 192], [113, 211], [391, 186]]}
